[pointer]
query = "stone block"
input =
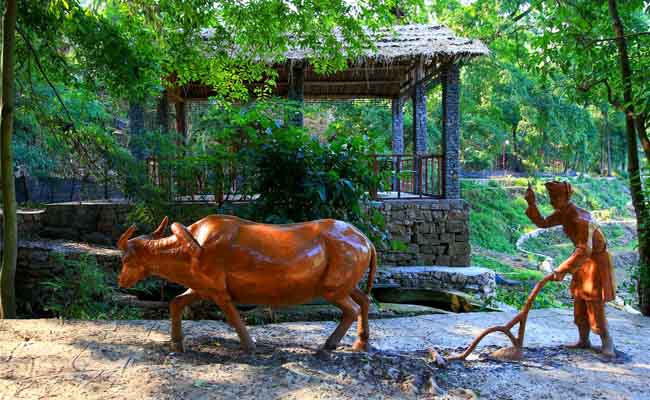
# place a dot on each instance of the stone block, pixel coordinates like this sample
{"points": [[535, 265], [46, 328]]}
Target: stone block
{"points": [[440, 205], [85, 218], [460, 260], [427, 249], [456, 226], [60, 233], [460, 249], [443, 260], [99, 238]]}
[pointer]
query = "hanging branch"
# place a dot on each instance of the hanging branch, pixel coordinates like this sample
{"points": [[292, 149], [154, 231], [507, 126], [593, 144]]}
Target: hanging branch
{"points": [[42, 70], [75, 141]]}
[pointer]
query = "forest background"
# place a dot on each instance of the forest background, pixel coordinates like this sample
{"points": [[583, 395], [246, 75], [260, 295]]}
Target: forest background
{"points": [[564, 90]]}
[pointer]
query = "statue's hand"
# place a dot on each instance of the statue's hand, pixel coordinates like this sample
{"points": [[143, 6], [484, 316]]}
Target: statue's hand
{"points": [[530, 195], [558, 276]]}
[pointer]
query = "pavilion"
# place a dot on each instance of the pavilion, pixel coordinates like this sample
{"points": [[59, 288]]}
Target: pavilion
{"points": [[406, 62]]}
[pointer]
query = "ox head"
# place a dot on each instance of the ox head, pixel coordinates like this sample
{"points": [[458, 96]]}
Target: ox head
{"points": [[135, 258]]}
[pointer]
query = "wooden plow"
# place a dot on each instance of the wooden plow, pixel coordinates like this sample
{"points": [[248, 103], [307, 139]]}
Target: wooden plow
{"points": [[516, 351]]}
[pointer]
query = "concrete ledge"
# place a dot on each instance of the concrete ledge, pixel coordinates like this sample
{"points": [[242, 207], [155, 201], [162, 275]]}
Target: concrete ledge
{"points": [[477, 281]]}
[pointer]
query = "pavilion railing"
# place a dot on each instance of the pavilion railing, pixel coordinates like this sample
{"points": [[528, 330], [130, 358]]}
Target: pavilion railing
{"points": [[399, 176], [403, 176]]}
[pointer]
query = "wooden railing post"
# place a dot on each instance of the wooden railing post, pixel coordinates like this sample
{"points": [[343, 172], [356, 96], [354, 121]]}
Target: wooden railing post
{"points": [[375, 168]]}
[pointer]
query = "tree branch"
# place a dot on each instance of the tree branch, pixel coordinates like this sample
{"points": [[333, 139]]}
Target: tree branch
{"points": [[587, 86], [42, 70], [77, 144], [612, 39]]}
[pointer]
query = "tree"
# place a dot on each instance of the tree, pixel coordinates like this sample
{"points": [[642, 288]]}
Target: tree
{"points": [[596, 52], [10, 233], [128, 50]]}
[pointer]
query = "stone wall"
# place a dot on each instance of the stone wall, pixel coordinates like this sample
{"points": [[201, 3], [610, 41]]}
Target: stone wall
{"points": [[29, 223], [104, 222], [423, 232], [426, 232], [95, 222], [479, 282], [50, 189], [38, 262]]}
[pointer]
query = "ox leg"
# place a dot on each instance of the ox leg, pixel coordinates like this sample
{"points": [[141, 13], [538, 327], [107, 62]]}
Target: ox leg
{"points": [[176, 308], [234, 319], [363, 332], [350, 312]]}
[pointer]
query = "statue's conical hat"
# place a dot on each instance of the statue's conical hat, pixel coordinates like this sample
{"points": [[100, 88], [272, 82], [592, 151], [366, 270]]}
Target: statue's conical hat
{"points": [[557, 187]]}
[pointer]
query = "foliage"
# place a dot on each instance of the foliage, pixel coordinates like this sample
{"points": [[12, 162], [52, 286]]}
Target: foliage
{"points": [[498, 216], [497, 219], [554, 294], [291, 175], [82, 291]]}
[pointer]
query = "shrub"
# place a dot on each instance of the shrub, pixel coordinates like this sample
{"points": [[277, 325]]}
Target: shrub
{"points": [[291, 175], [82, 291]]}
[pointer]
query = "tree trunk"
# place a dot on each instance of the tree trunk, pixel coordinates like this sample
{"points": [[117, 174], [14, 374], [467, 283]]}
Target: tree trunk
{"points": [[10, 236], [636, 188], [136, 129], [162, 113], [608, 143], [602, 146]]}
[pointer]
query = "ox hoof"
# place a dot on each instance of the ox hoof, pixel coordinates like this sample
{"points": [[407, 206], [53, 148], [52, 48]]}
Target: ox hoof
{"points": [[360, 345], [177, 347]]}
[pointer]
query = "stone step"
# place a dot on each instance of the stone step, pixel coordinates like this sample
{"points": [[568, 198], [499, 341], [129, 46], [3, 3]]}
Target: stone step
{"points": [[205, 310], [38, 262], [476, 281]]}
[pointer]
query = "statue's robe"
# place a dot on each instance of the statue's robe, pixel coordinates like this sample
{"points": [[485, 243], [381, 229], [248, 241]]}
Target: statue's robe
{"points": [[590, 264]]}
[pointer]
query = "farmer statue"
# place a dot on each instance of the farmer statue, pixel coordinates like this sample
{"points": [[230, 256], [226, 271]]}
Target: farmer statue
{"points": [[590, 264]]}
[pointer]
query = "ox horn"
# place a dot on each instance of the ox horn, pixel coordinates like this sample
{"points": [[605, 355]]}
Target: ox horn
{"points": [[186, 237], [158, 233], [121, 244]]}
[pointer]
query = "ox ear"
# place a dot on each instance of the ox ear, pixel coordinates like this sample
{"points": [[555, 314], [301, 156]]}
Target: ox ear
{"points": [[121, 244], [158, 233], [185, 237]]}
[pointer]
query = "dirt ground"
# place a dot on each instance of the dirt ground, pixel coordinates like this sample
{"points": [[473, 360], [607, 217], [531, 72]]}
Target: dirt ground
{"points": [[131, 360]]}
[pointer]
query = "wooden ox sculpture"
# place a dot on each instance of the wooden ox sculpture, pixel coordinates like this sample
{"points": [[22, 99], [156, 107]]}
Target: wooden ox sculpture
{"points": [[231, 260]]}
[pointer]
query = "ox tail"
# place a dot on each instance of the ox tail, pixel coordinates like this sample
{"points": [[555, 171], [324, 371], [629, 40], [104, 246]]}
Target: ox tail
{"points": [[372, 268]]}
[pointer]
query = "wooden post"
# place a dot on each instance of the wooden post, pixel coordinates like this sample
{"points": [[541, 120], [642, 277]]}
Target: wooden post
{"points": [[162, 113], [296, 92], [398, 137], [419, 121], [136, 129], [181, 125]]}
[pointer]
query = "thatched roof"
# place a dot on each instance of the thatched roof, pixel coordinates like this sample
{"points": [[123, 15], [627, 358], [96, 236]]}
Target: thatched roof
{"points": [[407, 42], [385, 71]]}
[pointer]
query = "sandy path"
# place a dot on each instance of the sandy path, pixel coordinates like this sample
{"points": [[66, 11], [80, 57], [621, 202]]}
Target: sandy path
{"points": [[130, 359]]}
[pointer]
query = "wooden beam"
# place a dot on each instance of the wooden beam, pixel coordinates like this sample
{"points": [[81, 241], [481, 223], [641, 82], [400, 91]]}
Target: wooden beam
{"points": [[297, 93], [343, 83]]}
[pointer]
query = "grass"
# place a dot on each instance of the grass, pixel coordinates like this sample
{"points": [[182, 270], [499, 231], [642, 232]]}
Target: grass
{"points": [[498, 216], [555, 243], [498, 219], [554, 294]]}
